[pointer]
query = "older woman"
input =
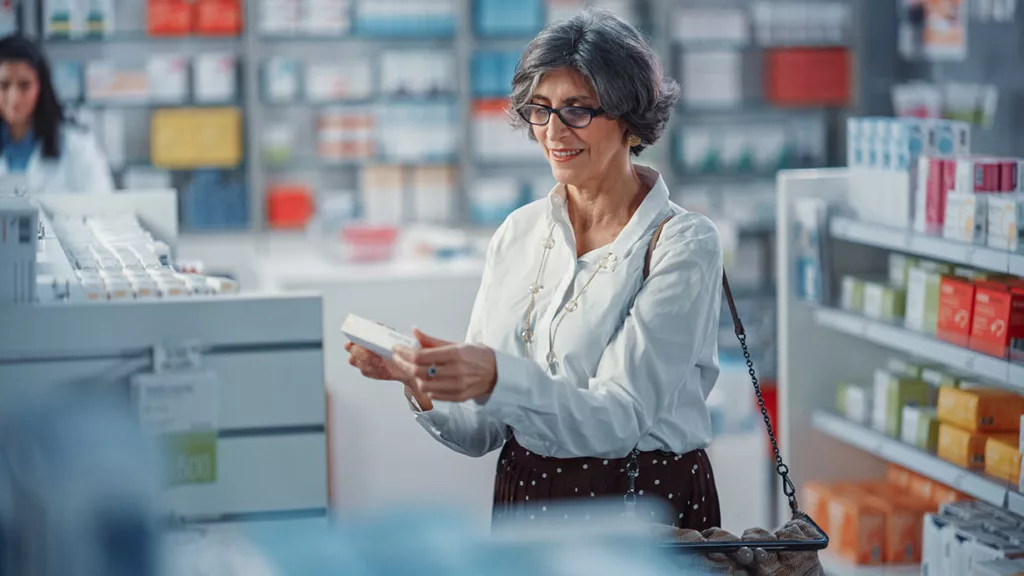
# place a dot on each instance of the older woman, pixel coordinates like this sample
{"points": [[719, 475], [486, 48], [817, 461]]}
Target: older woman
{"points": [[583, 348]]}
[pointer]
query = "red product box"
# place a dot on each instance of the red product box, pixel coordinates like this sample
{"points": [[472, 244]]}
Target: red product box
{"points": [[998, 318], [1009, 175], [168, 18], [941, 181], [218, 18], [956, 310], [978, 175]]}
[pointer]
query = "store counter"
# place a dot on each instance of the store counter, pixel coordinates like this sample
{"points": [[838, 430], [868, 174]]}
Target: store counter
{"points": [[380, 457]]}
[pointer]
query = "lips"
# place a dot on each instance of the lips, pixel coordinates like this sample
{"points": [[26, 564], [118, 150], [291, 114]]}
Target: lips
{"points": [[565, 154]]}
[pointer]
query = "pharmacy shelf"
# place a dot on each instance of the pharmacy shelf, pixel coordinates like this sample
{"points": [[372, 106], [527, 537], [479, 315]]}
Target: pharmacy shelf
{"points": [[907, 241], [837, 567], [996, 370], [912, 458]]}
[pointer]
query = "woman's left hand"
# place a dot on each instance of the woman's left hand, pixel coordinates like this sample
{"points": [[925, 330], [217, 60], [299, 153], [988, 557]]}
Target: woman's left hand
{"points": [[449, 371]]}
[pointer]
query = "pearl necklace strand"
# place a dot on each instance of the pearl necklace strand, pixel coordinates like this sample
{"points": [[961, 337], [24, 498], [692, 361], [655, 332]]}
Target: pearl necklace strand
{"points": [[527, 334]]}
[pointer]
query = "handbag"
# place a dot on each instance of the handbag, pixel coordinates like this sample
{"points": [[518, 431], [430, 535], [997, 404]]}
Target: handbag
{"points": [[794, 553]]}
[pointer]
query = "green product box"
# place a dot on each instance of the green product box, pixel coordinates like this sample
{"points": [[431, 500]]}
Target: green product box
{"points": [[891, 393], [922, 300], [899, 266], [852, 297], [920, 427], [853, 402]]}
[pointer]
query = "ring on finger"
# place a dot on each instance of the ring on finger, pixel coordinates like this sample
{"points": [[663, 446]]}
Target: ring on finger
{"points": [[432, 371]]}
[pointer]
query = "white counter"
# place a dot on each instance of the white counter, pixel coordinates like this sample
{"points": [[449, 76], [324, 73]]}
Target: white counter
{"points": [[380, 456]]}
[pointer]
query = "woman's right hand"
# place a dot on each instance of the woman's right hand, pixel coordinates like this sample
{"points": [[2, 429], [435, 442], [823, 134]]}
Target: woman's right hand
{"points": [[373, 366]]}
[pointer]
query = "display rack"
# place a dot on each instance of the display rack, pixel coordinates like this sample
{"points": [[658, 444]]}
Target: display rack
{"points": [[821, 346], [266, 353], [466, 41]]}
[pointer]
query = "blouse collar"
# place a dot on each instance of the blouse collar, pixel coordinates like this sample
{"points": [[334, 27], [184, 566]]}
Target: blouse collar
{"points": [[652, 206]]}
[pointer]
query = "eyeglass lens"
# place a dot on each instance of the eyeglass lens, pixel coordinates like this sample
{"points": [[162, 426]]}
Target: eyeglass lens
{"points": [[571, 115]]}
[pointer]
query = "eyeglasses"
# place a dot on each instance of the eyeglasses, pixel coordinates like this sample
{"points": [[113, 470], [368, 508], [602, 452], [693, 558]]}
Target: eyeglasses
{"points": [[573, 116]]}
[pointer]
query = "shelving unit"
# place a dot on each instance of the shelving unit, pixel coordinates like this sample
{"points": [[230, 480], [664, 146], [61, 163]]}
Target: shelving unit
{"points": [[909, 242], [821, 346], [915, 344]]}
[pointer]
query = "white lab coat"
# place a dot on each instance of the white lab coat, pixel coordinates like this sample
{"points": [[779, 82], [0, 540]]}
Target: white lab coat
{"points": [[81, 167]]}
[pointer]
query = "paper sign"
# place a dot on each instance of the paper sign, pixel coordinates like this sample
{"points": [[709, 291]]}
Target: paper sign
{"points": [[182, 408]]}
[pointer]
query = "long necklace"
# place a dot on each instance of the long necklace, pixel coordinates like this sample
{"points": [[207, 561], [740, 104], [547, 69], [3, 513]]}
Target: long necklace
{"points": [[570, 306]]}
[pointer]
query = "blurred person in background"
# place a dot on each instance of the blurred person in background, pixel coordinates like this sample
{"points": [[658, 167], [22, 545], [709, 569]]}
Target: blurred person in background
{"points": [[36, 138], [578, 357]]}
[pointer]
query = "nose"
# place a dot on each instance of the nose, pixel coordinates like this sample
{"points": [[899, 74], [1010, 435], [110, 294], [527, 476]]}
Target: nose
{"points": [[556, 128]]}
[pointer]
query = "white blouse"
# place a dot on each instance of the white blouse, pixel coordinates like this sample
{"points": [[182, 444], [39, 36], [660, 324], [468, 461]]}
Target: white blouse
{"points": [[634, 360]]}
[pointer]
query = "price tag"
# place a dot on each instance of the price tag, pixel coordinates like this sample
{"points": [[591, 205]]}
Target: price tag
{"points": [[181, 407]]}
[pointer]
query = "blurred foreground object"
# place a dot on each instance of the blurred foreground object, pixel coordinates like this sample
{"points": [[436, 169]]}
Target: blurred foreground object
{"points": [[78, 492]]}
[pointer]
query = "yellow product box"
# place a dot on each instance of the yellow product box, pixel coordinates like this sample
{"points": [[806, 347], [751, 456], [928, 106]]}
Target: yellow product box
{"points": [[1002, 457], [196, 137], [981, 409], [961, 447]]}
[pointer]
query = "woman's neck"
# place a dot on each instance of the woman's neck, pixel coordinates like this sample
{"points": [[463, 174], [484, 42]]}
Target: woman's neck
{"points": [[19, 131], [608, 203]]}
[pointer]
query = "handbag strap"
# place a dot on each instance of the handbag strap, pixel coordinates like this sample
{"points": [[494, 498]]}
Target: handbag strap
{"points": [[781, 469]]}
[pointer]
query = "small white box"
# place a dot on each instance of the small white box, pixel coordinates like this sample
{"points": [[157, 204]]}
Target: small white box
{"points": [[375, 336], [999, 568], [1005, 221], [966, 217], [216, 78]]}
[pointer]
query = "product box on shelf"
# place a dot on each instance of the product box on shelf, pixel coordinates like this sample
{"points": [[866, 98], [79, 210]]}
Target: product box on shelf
{"points": [[891, 393], [966, 217], [920, 427], [921, 487], [961, 447], [899, 268], [956, 310], [854, 402], [1013, 567], [898, 476], [884, 302], [1002, 458], [998, 318], [987, 410], [856, 528], [1005, 221], [938, 537], [922, 307], [885, 170], [852, 294], [903, 525], [979, 546]]}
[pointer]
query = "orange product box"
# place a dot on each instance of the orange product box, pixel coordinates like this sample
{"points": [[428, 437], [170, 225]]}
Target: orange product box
{"points": [[168, 18], [857, 528], [981, 409], [218, 17], [942, 494], [898, 476], [998, 318], [961, 447], [1002, 457], [815, 496], [903, 526], [921, 487], [956, 310]]}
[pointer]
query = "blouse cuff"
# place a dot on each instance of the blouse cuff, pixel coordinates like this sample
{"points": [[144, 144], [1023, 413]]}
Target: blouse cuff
{"points": [[512, 388], [436, 418]]}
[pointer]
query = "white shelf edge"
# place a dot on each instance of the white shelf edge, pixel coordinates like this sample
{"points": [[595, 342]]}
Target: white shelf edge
{"points": [[998, 371], [908, 241], [892, 450]]}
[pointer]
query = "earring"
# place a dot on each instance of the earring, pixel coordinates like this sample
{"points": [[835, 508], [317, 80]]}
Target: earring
{"points": [[633, 140]]}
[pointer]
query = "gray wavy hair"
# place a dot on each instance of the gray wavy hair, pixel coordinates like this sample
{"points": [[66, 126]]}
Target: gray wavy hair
{"points": [[617, 61]]}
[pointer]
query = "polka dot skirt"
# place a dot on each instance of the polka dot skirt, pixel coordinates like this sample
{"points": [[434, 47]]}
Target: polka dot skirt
{"points": [[526, 483]]}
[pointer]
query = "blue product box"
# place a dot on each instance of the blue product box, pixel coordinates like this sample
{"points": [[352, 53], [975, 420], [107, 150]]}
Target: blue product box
{"points": [[507, 18], [487, 71], [411, 21]]}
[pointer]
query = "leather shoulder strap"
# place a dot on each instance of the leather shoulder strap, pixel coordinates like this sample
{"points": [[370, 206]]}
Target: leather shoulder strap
{"points": [[737, 324]]}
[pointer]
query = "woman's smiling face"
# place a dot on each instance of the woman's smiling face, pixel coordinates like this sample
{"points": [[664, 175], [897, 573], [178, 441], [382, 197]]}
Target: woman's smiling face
{"points": [[578, 156]]}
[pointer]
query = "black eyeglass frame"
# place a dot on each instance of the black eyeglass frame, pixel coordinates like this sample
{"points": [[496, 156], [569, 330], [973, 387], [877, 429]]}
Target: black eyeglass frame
{"points": [[592, 112]]}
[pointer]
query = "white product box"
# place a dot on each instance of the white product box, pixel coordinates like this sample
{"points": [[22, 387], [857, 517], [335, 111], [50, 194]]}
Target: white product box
{"points": [[282, 79], [326, 82], [1005, 221], [938, 542], [983, 547], [375, 336], [168, 78], [874, 295], [280, 17], [329, 17], [216, 78], [966, 217], [712, 78], [910, 422], [880, 395], [857, 404], [999, 568]]}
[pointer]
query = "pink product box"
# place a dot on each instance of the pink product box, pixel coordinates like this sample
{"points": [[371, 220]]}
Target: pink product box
{"points": [[982, 175]]}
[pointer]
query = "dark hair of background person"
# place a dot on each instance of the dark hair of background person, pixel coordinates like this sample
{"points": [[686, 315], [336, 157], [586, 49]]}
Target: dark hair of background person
{"points": [[48, 116]]}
